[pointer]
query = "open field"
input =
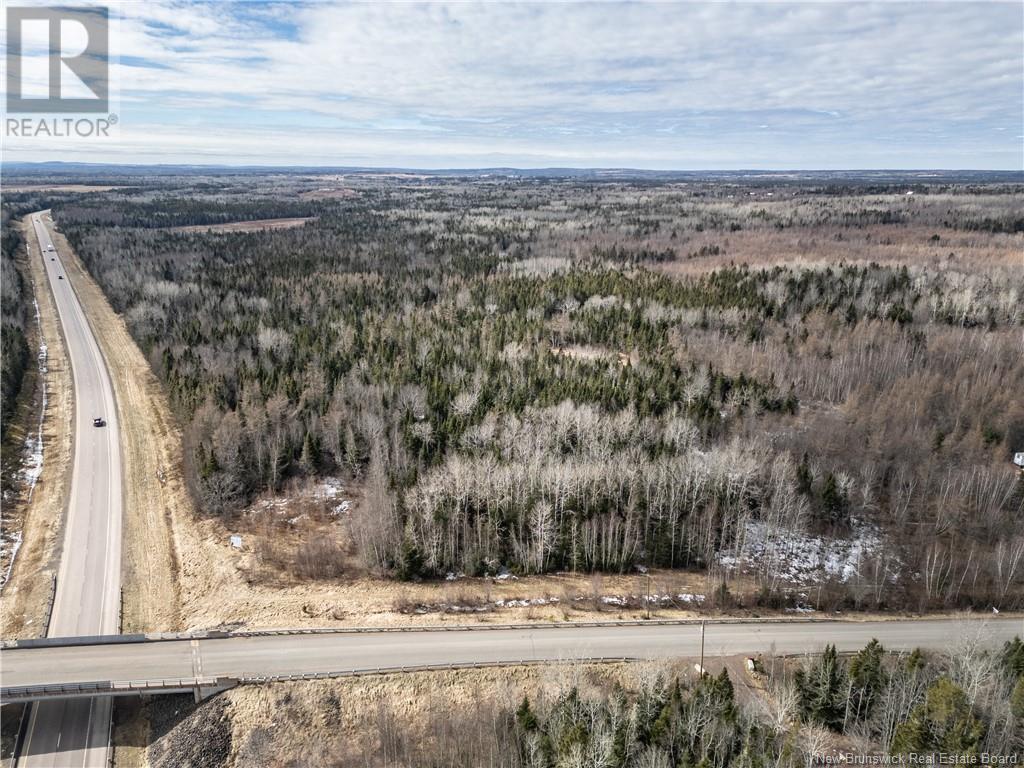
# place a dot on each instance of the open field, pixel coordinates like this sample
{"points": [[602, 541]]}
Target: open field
{"points": [[245, 226], [14, 189]]}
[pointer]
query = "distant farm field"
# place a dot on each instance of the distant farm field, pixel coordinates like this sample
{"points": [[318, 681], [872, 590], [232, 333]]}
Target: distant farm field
{"points": [[245, 226]]}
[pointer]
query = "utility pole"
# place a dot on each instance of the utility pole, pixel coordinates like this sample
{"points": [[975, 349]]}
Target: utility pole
{"points": [[648, 574], [702, 621]]}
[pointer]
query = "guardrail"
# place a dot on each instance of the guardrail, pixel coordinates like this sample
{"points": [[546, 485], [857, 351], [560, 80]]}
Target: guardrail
{"points": [[27, 693], [17, 694], [217, 634], [410, 668]]}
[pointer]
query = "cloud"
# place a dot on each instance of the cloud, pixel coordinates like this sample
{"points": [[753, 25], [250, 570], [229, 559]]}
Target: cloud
{"points": [[857, 84]]}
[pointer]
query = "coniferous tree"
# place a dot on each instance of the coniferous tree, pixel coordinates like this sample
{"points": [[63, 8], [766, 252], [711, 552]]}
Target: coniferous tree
{"points": [[822, 690]]}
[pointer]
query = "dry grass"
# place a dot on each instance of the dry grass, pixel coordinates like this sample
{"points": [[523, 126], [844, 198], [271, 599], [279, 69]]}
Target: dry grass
{"points": [[336, 722], [827, 246], [60, 188], [327, 193], [245, 226]]}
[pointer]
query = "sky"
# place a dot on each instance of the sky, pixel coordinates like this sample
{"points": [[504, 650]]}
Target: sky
{"points": [[682, 85]]}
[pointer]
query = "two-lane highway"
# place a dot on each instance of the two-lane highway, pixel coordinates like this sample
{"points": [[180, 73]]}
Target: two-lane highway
{"points": [[87, 600], [270, 656]]}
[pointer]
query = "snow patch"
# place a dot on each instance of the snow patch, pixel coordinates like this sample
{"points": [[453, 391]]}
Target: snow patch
{"points": [[10, 542], [803, 558], [328, 488], [32, 466], [32, 463], [620, 601]]}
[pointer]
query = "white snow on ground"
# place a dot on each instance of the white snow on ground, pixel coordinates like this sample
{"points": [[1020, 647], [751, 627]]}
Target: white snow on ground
{"points": [[32, 467], [624, 600], [621, 601], [12, 543], [32, 463], [803, 558], [329, 490]]}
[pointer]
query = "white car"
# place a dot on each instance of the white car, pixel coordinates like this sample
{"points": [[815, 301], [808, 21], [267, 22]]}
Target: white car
{"points": [[49, 247]]}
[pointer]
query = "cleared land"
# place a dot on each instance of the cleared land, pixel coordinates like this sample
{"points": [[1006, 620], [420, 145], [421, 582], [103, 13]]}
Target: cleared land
{"points": [[246, 226], [18, 188]]}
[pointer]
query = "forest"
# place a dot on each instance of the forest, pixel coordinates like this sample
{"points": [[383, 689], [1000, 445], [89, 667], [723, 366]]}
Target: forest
{"points": [[16, 303], [879, 703], [548, 375]]}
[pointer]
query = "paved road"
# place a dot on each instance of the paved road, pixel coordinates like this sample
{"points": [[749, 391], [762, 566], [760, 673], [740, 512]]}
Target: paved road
{"points": [[87, 602], [246, 657]]}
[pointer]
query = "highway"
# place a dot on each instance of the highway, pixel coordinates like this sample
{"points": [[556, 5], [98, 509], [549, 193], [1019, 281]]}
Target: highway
{"points": [[87, 600], [281, 655]]}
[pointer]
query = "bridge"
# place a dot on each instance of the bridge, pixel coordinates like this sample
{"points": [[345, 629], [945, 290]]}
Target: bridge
{"points": [[205, 663]]}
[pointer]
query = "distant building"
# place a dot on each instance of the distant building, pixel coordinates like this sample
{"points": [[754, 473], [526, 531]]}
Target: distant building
{"points": [[1018, 459]]}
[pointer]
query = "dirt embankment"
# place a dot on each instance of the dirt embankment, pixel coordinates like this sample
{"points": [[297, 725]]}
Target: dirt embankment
{"points": [[340, 722], [377, 719], [153, 489], [39, 509]]}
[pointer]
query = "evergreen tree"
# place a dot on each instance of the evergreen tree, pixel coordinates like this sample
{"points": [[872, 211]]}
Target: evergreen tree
{"points": [[822, 690], [943, 723], [525, 718], [867, 679], [1012, 657], [1017, 699]]}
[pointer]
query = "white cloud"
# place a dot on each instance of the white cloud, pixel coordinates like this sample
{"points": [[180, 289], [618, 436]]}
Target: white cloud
{"points": [[583, 83]]}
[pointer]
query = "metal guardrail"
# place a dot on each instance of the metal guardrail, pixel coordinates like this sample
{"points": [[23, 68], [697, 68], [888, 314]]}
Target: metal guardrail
{"points": [[15, 694], [27, 693], [217, 634], [409, 668], [64, 642]]}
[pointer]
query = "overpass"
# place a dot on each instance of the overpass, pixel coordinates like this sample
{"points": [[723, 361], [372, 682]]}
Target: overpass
{"points": [[204, 663]]}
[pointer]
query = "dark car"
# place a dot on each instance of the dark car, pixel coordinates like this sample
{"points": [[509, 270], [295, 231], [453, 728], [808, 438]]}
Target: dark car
{"points": [[60, 277], [99, 422]]}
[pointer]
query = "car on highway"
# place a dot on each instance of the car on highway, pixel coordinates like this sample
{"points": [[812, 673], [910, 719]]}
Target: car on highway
{"points": [[49, 247], [99, 422], [60, 277]]}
